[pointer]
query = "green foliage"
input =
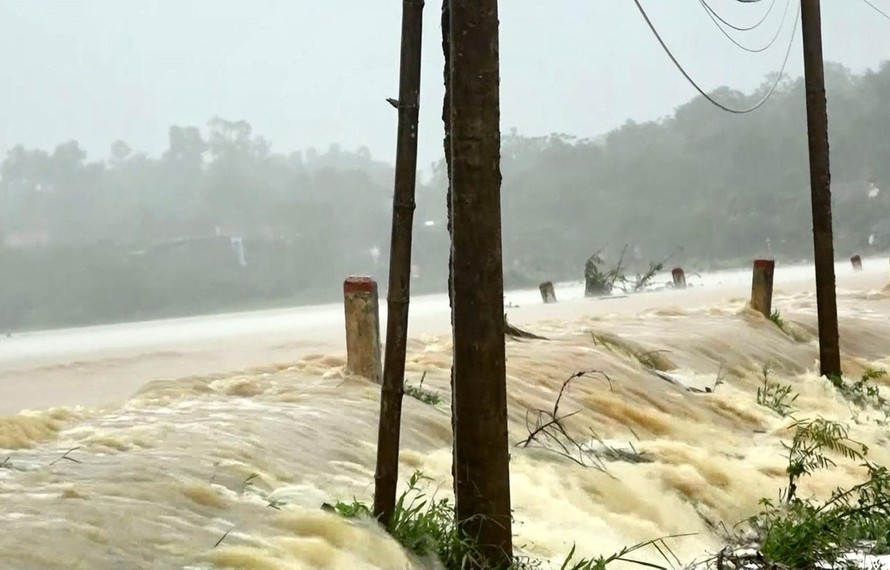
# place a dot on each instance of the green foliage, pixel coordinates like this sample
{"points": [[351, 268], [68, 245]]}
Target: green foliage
{"points": [[776, 318], [806, 453], [598, 282], [601, 562], [715, 185], [425, 526], [421, 523], [419, 393], [804, 533], [775, 396], [863, 392]]}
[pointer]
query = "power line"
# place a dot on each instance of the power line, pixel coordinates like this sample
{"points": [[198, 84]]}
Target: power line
{"points": [[716, 19], [878, 10], [692, 82], [733, 26]]}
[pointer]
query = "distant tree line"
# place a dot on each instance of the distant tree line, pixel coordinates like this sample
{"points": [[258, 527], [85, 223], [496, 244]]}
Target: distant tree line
{"points": [[702, 186], [219, 221]]}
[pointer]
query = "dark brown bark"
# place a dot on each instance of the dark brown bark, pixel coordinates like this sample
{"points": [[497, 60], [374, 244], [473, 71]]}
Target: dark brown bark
{"points": [[386, 476], [820, 187], [446, 123], [481, 454], [446, 115]]}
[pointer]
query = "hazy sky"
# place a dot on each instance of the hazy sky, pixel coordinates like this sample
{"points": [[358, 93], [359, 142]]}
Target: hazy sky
{"points": [[314, 73]]}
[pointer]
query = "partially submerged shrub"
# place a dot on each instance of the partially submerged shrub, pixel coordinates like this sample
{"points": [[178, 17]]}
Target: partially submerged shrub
{"points": [[863, 392], [419, 393], [776, 318], [420, 523], [805, 533], [425, 525], [775, 396]]}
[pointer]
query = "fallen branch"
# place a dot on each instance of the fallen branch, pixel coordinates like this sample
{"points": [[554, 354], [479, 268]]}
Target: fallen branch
{"points": [[517, 333], [65, 457], [551, 433]]}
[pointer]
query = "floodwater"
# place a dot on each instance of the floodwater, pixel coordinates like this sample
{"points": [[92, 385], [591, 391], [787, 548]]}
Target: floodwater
{"points": [[238, 427]]}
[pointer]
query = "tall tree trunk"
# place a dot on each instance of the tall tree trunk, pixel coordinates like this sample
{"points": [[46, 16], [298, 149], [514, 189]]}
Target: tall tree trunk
{"points": [[446, 123], [398, 294], [481, 454], [820, 188]]}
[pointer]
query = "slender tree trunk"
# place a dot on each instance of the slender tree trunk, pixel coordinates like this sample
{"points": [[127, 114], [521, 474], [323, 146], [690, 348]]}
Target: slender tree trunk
{"points": [[820, 188], [398, 295], [446, 123], [481, 454]]}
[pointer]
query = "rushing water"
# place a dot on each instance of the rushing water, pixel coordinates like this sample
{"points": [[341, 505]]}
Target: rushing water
{"points": [[163, 469]]}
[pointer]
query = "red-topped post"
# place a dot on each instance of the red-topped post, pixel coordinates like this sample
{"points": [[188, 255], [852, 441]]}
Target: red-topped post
{"points": [[360, 303], [679, 277], [762, 286]]}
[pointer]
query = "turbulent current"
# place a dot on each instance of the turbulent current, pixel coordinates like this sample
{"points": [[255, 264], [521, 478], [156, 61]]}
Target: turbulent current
{"points": [[143, 449]]}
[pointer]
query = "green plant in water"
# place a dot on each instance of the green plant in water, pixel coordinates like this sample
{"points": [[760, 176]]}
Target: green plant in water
{"points": [[806, 452], [421, 523], [419, 393], [597, 282], [426, 526], [601, 562], [804, 533], [776, 318], [775, 396], [863, 392]]}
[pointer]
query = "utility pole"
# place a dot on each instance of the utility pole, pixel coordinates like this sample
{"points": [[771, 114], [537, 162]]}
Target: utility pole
{"points": [[820, 188], [398, 294], [479, 399]]}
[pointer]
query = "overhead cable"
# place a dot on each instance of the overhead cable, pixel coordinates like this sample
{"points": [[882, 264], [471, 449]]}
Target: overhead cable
{"points": [[715, 18], [692, 82]]}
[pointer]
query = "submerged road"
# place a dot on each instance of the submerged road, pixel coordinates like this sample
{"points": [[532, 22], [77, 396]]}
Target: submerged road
{"points": [[107, 364]]}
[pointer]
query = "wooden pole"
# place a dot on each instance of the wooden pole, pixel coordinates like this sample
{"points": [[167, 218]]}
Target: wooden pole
{"points": [[548, 295], [820, 188], [679, 278], [362, 327], [386, 475], [479, 405], [762, 286]]}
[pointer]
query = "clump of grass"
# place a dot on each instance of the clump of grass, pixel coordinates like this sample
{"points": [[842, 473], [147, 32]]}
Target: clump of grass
{"points": [[601, 562], [421, 523], [775, 396], [804, 533], [425, 525], [419, 393], [776, 318]]}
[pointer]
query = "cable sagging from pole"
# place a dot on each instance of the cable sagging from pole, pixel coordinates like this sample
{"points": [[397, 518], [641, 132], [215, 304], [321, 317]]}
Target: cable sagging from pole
{"points": [[698, 88]]}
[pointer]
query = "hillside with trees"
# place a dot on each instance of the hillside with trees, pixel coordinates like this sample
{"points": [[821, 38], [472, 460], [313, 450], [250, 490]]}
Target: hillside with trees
{"points": [[707, 187], [221, 221]]}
